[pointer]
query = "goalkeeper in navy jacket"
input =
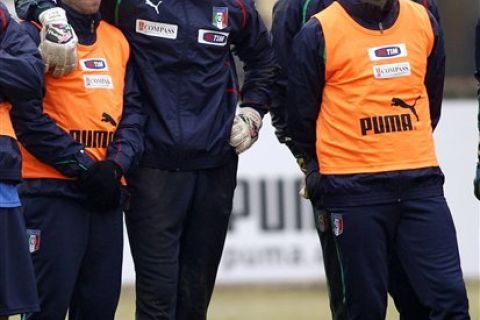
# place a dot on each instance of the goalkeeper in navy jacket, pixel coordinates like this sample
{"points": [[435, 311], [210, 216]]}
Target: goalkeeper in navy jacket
{"points": [[182, 193], [21, 72]]}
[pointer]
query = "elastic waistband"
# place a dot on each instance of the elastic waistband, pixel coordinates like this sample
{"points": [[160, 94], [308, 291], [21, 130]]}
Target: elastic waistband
{"points": [[187, 164], [378, 197], [387, 187]]}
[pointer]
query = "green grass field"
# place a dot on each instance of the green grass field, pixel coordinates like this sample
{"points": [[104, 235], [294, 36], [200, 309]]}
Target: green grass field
{"points": [[276, 303]]}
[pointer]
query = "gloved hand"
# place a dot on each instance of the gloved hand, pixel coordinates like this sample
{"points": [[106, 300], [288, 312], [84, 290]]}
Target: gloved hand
{"points": [[245, 129], [313, 190], [101, 183], [476, 182], [3, 18], [303, 167], [58, 43]]}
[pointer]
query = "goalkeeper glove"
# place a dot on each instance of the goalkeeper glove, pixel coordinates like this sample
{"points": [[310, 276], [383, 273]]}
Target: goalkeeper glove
{"points": [[58, 43], [246, 125]]}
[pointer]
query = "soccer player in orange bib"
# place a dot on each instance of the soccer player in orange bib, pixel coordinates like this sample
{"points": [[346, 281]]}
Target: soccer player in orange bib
{"points": [[368, 78], [288, 18], [75, 152]]}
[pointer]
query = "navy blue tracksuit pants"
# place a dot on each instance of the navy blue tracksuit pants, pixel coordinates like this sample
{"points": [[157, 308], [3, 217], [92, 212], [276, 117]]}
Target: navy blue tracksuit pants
{"points": [[419, 234], [177, 223], [18, 291], [78, 259], [399, 287]]}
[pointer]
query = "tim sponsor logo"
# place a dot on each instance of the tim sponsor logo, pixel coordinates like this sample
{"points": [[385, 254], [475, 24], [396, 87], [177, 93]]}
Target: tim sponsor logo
{"points": [[386, 124], [98, 64], [387, 52], [395, 70], [157, 29], [214, 38]]}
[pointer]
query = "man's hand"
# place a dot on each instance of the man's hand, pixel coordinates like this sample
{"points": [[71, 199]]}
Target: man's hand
{"points": [[58, 43], [313, 191], [299, 158], [245, 129], [476, 182], [102, 185]]}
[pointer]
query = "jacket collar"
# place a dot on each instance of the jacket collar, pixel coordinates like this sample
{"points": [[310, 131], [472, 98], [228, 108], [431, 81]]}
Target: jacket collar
{"points": [[85, 25], [371, 17]]}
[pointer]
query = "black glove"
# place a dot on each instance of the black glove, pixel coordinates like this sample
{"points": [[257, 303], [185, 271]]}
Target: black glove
{"points": [[101, 183], [476, 182], [314, 189]]}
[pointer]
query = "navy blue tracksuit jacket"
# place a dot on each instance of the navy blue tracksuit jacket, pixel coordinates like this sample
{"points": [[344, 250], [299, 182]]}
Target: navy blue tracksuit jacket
{"points": [[21, 79]]}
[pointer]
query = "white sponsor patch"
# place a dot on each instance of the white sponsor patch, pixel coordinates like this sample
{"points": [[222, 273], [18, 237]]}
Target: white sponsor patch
{"points": [[98, 81], [388, 52], [394, 70], [214, 38], [94, 64], [157, 29]]}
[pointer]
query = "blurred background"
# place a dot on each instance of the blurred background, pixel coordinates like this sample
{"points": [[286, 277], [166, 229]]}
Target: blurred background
{"points": [[272, 264]]}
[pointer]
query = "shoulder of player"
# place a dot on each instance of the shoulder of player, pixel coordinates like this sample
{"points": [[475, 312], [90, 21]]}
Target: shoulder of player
{"points": [[112, 30], [115, 35]]}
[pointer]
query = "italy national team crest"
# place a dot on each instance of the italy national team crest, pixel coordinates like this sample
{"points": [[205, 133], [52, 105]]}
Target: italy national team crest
{"points": [[322, 222], [220, 17], [337, 224], [33, 237]]}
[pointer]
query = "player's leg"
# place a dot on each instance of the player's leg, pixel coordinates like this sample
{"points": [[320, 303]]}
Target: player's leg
{"points": [[404, 297], [427, 247], [97, 289], [331, 263], [57, 228], [406, 300], [363, 236], [18, 292], [203, 240], [155, 218]]}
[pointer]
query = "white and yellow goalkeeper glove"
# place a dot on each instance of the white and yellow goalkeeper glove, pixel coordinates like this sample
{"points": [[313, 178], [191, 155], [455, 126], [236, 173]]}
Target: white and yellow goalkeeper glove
{"points": [[246, 125], [58, 43]]}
